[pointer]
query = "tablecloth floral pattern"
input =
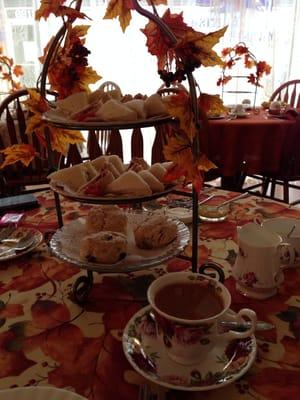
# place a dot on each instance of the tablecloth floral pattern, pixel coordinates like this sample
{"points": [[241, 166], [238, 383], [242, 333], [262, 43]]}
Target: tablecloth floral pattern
{"points": [[48, 339]]}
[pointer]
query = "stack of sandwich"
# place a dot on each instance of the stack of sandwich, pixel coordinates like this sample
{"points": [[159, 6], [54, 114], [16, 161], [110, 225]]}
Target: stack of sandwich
{"points": [[108, 176], [109, 106]]}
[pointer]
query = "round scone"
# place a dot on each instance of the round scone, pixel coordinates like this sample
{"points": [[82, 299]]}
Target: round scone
{"points": [[104, 247], [155, 232], [106, 218]]}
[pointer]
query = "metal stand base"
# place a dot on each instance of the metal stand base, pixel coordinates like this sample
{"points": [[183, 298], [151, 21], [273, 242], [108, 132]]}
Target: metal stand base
{"points": [[82, 287]]}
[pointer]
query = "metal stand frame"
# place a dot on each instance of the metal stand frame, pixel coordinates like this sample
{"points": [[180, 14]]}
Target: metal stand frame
{"points": [[83, 284]]}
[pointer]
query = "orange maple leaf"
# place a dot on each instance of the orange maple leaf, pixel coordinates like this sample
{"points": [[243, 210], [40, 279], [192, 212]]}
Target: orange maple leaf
{"points": [[157, 42], [119, 9], [18, 152], [197, 47], [179, 106], [192, 167], [211, 104], [57, 8], [60, 138]]}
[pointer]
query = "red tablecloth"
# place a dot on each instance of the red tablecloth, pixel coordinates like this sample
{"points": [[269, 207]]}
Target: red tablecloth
{"points": [[48, 339], [253, 144]]}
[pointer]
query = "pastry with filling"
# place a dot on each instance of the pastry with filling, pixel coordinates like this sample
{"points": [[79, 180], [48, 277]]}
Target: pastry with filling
{"points": [[104, 247], [73, 103], [138, 106], [117, 163], [155, 106], [158, 170], [138, 164], [97, 185], [72, 177], [113, 110], [155, 232], [153, 182], [129, 184], [106, 218]]}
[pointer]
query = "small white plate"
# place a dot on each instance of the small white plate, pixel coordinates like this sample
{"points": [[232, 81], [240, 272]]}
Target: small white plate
{"points": [[226, 363], [38, 393], [37, 240]]}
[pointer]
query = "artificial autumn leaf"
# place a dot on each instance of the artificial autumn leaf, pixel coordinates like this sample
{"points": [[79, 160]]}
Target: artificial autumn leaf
{"points": [[18, 152], [119, 9], [211, 104], [60, 138], [179, 150], [157, 42], [57, 8], [198, 47], [179, 106], [69, 73]]}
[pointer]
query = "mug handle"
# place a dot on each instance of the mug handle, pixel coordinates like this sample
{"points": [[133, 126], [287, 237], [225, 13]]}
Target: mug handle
{"points": [[212, 266], [244, 312], [287, 247]]}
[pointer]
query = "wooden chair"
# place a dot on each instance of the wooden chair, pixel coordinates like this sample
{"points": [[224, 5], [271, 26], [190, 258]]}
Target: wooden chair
{"points": [[289, 92], [288, 172], [15, 179]]}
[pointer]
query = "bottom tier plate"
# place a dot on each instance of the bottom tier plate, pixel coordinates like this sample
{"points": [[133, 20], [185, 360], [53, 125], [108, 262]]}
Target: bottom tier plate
{"points": [[66, 243]]}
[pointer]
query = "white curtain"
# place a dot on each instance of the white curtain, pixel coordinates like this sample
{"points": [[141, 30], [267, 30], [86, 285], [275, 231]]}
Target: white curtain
{"points": [[270, 28]]}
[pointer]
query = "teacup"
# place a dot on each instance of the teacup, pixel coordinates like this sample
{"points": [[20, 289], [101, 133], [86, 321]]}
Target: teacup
{"points": [[189, 329], [258, 265], [289, 230]]}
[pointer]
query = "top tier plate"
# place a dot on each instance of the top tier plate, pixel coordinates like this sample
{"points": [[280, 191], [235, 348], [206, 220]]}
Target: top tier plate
{"points": [[58, 119]]}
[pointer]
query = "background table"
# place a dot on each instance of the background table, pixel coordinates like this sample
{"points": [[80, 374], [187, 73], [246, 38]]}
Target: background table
{"points": [[48, 339], [251, 145]]}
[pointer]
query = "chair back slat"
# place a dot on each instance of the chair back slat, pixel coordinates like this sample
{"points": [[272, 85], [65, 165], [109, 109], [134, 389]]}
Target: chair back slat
{"points": [[94, 150], [115, 145], [288, 92], [137, 143], [158, 144], [11, 128], [21, 122]]}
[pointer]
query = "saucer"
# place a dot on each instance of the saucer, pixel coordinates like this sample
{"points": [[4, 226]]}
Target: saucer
{"points": [[226, 362]]}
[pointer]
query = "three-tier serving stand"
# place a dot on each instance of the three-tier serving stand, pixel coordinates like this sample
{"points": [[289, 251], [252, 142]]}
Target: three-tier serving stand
{"points": [[83, 284]]}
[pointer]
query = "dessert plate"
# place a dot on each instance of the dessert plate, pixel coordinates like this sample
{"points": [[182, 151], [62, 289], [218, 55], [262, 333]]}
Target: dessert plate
{"points": [[66, 243], [60, 120], [38, 393], [227, 362], [9, 253]]}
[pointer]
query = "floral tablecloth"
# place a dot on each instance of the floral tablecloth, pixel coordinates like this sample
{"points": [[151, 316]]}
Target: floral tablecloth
{"points": [[48, 339]]}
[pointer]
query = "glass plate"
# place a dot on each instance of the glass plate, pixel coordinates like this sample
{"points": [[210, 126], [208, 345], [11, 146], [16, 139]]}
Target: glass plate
{"points": [[58, 119], [66, 242]]}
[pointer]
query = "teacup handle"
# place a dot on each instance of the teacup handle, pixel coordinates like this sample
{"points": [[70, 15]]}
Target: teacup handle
{"points": [[244, 312], [212, 266], [284, 248]]}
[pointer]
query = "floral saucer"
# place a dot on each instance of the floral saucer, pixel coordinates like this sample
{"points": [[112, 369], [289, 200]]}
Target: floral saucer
{"points": [[228, 361]]}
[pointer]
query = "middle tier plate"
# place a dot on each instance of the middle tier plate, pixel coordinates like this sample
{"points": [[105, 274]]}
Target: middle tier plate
{"points": [[66, 242], [109, 199]]}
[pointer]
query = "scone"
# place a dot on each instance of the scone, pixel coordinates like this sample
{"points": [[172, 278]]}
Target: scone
{"points": [[106, 218], [104, 247], [157, 231]]}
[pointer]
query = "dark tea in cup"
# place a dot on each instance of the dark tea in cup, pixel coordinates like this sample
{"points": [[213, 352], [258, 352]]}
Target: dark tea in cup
{"points": [[191, 301], [187, 308]]}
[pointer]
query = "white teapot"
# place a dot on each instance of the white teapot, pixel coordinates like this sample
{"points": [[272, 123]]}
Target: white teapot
{"points": [[261, 254]]}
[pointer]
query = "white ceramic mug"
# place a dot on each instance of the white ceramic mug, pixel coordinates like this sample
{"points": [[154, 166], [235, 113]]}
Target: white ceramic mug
{"points": [[188, 341], [258, 265], [289, 230]]}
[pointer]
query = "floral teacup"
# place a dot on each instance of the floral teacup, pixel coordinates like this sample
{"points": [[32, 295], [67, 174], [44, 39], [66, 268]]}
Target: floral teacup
{"points": [[187, 341]]}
